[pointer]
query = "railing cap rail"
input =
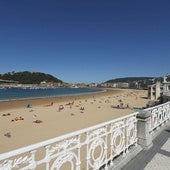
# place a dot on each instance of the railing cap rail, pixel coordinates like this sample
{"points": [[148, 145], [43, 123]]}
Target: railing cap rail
{"points": [[155, 107], [144, 114]]}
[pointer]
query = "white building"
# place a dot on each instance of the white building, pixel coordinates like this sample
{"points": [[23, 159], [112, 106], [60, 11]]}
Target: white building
{"points": [[120, 85], [166, 90], [166, 83], [155, 91], [158, 90]]}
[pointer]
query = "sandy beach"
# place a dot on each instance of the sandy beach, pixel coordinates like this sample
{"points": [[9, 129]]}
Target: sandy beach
{"points": [[51, 117]]}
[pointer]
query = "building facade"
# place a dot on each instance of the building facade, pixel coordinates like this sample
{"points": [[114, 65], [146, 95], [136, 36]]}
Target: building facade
{"points": [[155, 91], [160, 90]]}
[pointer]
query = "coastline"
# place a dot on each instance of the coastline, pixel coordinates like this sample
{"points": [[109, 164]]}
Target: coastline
{"points": [[60, 92], [21, 126], [37, 101]]}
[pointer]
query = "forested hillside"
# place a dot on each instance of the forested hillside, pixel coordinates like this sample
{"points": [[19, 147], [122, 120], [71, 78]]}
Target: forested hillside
{"points": [[27, 77]]}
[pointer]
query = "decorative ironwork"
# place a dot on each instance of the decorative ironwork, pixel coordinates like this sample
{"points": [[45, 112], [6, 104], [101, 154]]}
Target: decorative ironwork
{"points": [[93, 161], [28, 161], [62, 159], [64, 145], [131, 130], [89, 148], [159, 115], [117, 132]]}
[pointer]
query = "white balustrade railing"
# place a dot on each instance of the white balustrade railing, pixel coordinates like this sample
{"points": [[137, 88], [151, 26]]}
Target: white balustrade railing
{"points": [[159, 115], [90, 148]]}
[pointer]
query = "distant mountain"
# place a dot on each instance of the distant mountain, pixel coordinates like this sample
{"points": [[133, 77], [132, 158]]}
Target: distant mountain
{"points": [[130, 79], [134, 82], [27, 77]]}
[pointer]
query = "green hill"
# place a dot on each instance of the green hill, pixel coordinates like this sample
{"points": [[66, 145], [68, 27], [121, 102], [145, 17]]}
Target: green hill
{"points": [[27, 77], [129, 79]]}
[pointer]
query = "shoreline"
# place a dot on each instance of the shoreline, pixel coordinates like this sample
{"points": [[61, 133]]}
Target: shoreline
{"points": [[60, 95], [37, 101], [96, 90]]}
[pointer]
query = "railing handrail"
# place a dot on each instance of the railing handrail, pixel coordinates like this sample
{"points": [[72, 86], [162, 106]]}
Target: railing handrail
{"points": [[155, 107], [59, 138]]}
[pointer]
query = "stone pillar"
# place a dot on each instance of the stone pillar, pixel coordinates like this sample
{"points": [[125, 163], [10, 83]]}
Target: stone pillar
{"points": [[143, 127]]}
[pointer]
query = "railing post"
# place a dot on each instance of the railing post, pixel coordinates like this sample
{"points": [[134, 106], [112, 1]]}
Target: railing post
{"points": [[143, 129]]}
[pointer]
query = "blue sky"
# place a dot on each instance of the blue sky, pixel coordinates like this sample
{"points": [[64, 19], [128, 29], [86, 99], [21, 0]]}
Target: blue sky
{"points": [[85, 40]]}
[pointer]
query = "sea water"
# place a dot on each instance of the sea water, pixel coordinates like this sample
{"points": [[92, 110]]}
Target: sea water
{"points": [[20, 93]]}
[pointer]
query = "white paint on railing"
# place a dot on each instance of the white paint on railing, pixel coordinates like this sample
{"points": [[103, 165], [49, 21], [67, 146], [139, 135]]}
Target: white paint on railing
{"points": [[110, 139], [159, 115]]}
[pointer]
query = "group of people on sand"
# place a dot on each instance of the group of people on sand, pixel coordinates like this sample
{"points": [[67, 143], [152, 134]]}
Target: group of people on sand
{"points": [[121, 105], [13, 120], [70, 104], [61, 107], [46, 105], [17, 119], [6, 114]]}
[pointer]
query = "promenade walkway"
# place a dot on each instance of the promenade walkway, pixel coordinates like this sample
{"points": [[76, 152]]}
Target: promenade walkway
{"points": [[156, 158]]}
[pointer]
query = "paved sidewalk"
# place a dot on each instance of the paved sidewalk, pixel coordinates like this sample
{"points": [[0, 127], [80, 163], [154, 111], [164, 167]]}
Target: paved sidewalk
{"points": [[156, 158]]}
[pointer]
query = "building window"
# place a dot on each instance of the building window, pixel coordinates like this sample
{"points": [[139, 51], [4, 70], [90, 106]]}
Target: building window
{"points": [[153, 93]]}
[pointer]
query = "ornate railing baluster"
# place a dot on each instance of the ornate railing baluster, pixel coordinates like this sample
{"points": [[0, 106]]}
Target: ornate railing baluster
{"points": [[106, 148], [79, 154], [47, 158]]}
